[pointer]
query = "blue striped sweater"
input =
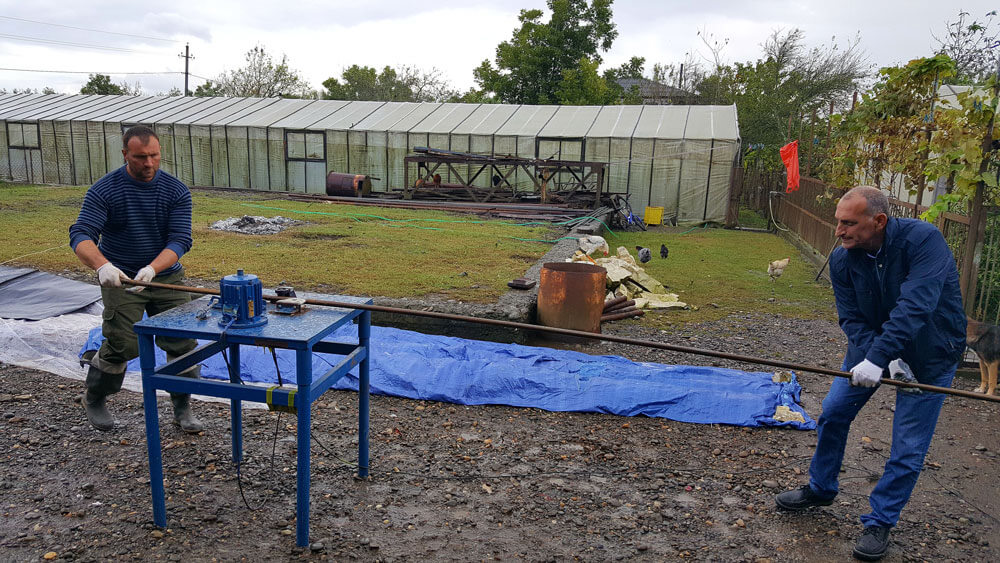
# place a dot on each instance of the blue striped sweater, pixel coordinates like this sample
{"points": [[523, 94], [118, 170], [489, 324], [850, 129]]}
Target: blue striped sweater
{"points": [[132, 222]]}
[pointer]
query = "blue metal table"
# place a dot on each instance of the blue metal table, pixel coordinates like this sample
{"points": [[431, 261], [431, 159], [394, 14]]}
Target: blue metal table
{"points": [[302, 332]]}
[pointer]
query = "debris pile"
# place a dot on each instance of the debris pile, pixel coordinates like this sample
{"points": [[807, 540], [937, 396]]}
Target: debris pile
{"points": [[628, 279], [255, 224]]}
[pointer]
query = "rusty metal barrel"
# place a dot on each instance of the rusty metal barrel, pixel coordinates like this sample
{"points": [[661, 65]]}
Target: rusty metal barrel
{"points": [[348, 185], [571, 295]]}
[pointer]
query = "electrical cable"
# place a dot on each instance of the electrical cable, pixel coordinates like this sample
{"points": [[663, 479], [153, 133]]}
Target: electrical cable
{"points": [[73, 44], [86, 71], [89, 29], [31, 254], [274, 438], [770, 209]]}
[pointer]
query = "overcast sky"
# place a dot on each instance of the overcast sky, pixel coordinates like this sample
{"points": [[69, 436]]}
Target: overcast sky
{"points": [[321, 38]]}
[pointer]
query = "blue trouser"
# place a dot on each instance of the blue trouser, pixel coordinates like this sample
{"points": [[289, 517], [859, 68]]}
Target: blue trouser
{"points": [[912, 429]]}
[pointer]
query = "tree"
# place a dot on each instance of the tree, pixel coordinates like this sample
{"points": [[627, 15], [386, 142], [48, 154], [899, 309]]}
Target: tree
{"points": [[207, 90], [583, 86], [261, 78], [888, 132], [972, 45], [775, 94], [405, 84], [45, 90], [101, 84], [686, 76], [529, 67]]}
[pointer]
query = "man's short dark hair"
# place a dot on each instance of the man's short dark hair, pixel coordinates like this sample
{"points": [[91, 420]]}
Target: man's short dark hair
{"points": [[141, 131], [877, 200]]}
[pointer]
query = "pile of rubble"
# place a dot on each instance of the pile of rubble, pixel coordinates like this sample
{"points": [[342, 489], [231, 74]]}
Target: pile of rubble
{"points": [[626, 278], [255, 224]]}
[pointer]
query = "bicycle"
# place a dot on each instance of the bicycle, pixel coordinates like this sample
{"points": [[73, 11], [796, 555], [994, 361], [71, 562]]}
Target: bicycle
{"points": [[624, 217]]}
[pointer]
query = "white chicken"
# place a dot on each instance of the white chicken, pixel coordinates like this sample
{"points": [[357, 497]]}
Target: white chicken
{"points": [[592, 244], [776, 267]]}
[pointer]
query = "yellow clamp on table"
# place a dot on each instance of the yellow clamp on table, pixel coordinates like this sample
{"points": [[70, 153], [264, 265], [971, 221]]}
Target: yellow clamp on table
{"points": [[272, 406]]}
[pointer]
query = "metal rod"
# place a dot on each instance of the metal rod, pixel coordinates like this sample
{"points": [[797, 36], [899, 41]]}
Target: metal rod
{"points": [[591, 335]]}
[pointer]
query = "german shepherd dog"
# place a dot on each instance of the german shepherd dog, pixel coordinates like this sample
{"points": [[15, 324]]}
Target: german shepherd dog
{"points": [[984, 339]]}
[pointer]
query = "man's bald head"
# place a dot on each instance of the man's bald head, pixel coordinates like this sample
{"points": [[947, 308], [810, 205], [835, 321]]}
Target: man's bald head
{"points": [[862, 215], [876, 200]]}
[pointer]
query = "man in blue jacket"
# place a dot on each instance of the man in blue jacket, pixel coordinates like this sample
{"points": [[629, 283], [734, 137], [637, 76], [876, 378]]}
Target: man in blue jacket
{"points": [[899, 303], [135, 223]]}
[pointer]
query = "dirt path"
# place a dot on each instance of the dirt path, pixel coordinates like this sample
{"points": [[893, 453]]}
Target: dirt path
{"points": [[451, 482]]}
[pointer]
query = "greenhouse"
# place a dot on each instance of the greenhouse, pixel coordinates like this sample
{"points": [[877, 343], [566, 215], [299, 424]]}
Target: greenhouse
{"points": [[672, 156]]}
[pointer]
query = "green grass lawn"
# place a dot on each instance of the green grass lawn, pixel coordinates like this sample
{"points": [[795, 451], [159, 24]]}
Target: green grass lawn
{"points": [[342, 248], [719, 272], [364, 250]]}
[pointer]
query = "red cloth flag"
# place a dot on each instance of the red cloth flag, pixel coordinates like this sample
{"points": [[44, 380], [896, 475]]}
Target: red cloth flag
{"points": [[790, 156]]}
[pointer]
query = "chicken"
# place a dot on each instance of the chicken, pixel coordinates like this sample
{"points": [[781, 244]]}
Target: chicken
{"points": [[775, 268], [593, 243], [664, 251], [644, 254]]}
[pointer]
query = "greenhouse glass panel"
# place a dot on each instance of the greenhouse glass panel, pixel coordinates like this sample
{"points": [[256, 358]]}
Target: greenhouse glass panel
{"points": [[201, 150], [50, 160], [619, 165], [81, 152], [182, 150], [336, 152], [95, 144], [296, 175], [260, 178], [276, 159], [239, 155], [220, 157]]}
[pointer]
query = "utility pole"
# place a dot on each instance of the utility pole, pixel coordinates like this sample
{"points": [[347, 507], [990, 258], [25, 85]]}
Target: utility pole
{"points": [[187, 56]]}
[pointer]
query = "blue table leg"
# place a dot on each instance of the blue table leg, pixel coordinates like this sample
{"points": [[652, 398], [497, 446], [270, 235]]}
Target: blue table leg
{"points": [[303, 378], [147, 362], [364, 338], [235, 405]]}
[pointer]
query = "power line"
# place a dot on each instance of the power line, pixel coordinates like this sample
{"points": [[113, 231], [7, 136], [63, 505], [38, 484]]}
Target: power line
{"points": [[90, 72], [72, 44], [89, 29]]}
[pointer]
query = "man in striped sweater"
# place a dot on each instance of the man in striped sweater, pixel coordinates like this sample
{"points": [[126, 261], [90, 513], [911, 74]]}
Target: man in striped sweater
{"points": [[135, 223]]}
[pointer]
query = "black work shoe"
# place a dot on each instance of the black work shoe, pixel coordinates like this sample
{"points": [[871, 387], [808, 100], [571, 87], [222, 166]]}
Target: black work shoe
{"points": [[872, 544], [800, 499]]}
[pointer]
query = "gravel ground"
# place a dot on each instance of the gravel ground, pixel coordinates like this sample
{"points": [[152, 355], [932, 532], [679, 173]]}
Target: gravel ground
{"points": [[451, 482]]}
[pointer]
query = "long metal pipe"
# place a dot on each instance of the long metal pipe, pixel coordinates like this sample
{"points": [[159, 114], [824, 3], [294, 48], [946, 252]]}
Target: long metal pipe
{"points": [[591, 335]]}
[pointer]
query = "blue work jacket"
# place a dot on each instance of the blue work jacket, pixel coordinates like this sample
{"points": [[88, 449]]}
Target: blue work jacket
{"points": [[903, 303]]}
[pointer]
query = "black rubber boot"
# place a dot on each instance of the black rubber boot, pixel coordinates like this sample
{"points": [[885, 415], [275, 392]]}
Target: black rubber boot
{"points": [[99, 386], [182, 414], [182, 406]]}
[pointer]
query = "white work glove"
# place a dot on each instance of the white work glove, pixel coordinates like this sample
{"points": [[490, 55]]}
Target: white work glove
{"points": [[110, 276], [865, 374], [145, 274], [900, 371]]}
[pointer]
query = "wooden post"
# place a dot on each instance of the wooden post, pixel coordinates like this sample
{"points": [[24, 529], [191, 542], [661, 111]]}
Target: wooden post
{"points": [[969, 275], [812, 141], [829, 130]]}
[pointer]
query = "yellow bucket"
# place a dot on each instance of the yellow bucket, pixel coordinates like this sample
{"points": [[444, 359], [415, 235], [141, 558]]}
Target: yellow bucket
{"points": [[653, 216]]}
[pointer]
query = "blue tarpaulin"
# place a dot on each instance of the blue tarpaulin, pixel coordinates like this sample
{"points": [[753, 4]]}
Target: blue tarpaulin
{"points": [[472, 372]]}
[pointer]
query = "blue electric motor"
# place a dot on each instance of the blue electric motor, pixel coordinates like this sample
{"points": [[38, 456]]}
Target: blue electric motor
{"points": [[242, 300]]}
